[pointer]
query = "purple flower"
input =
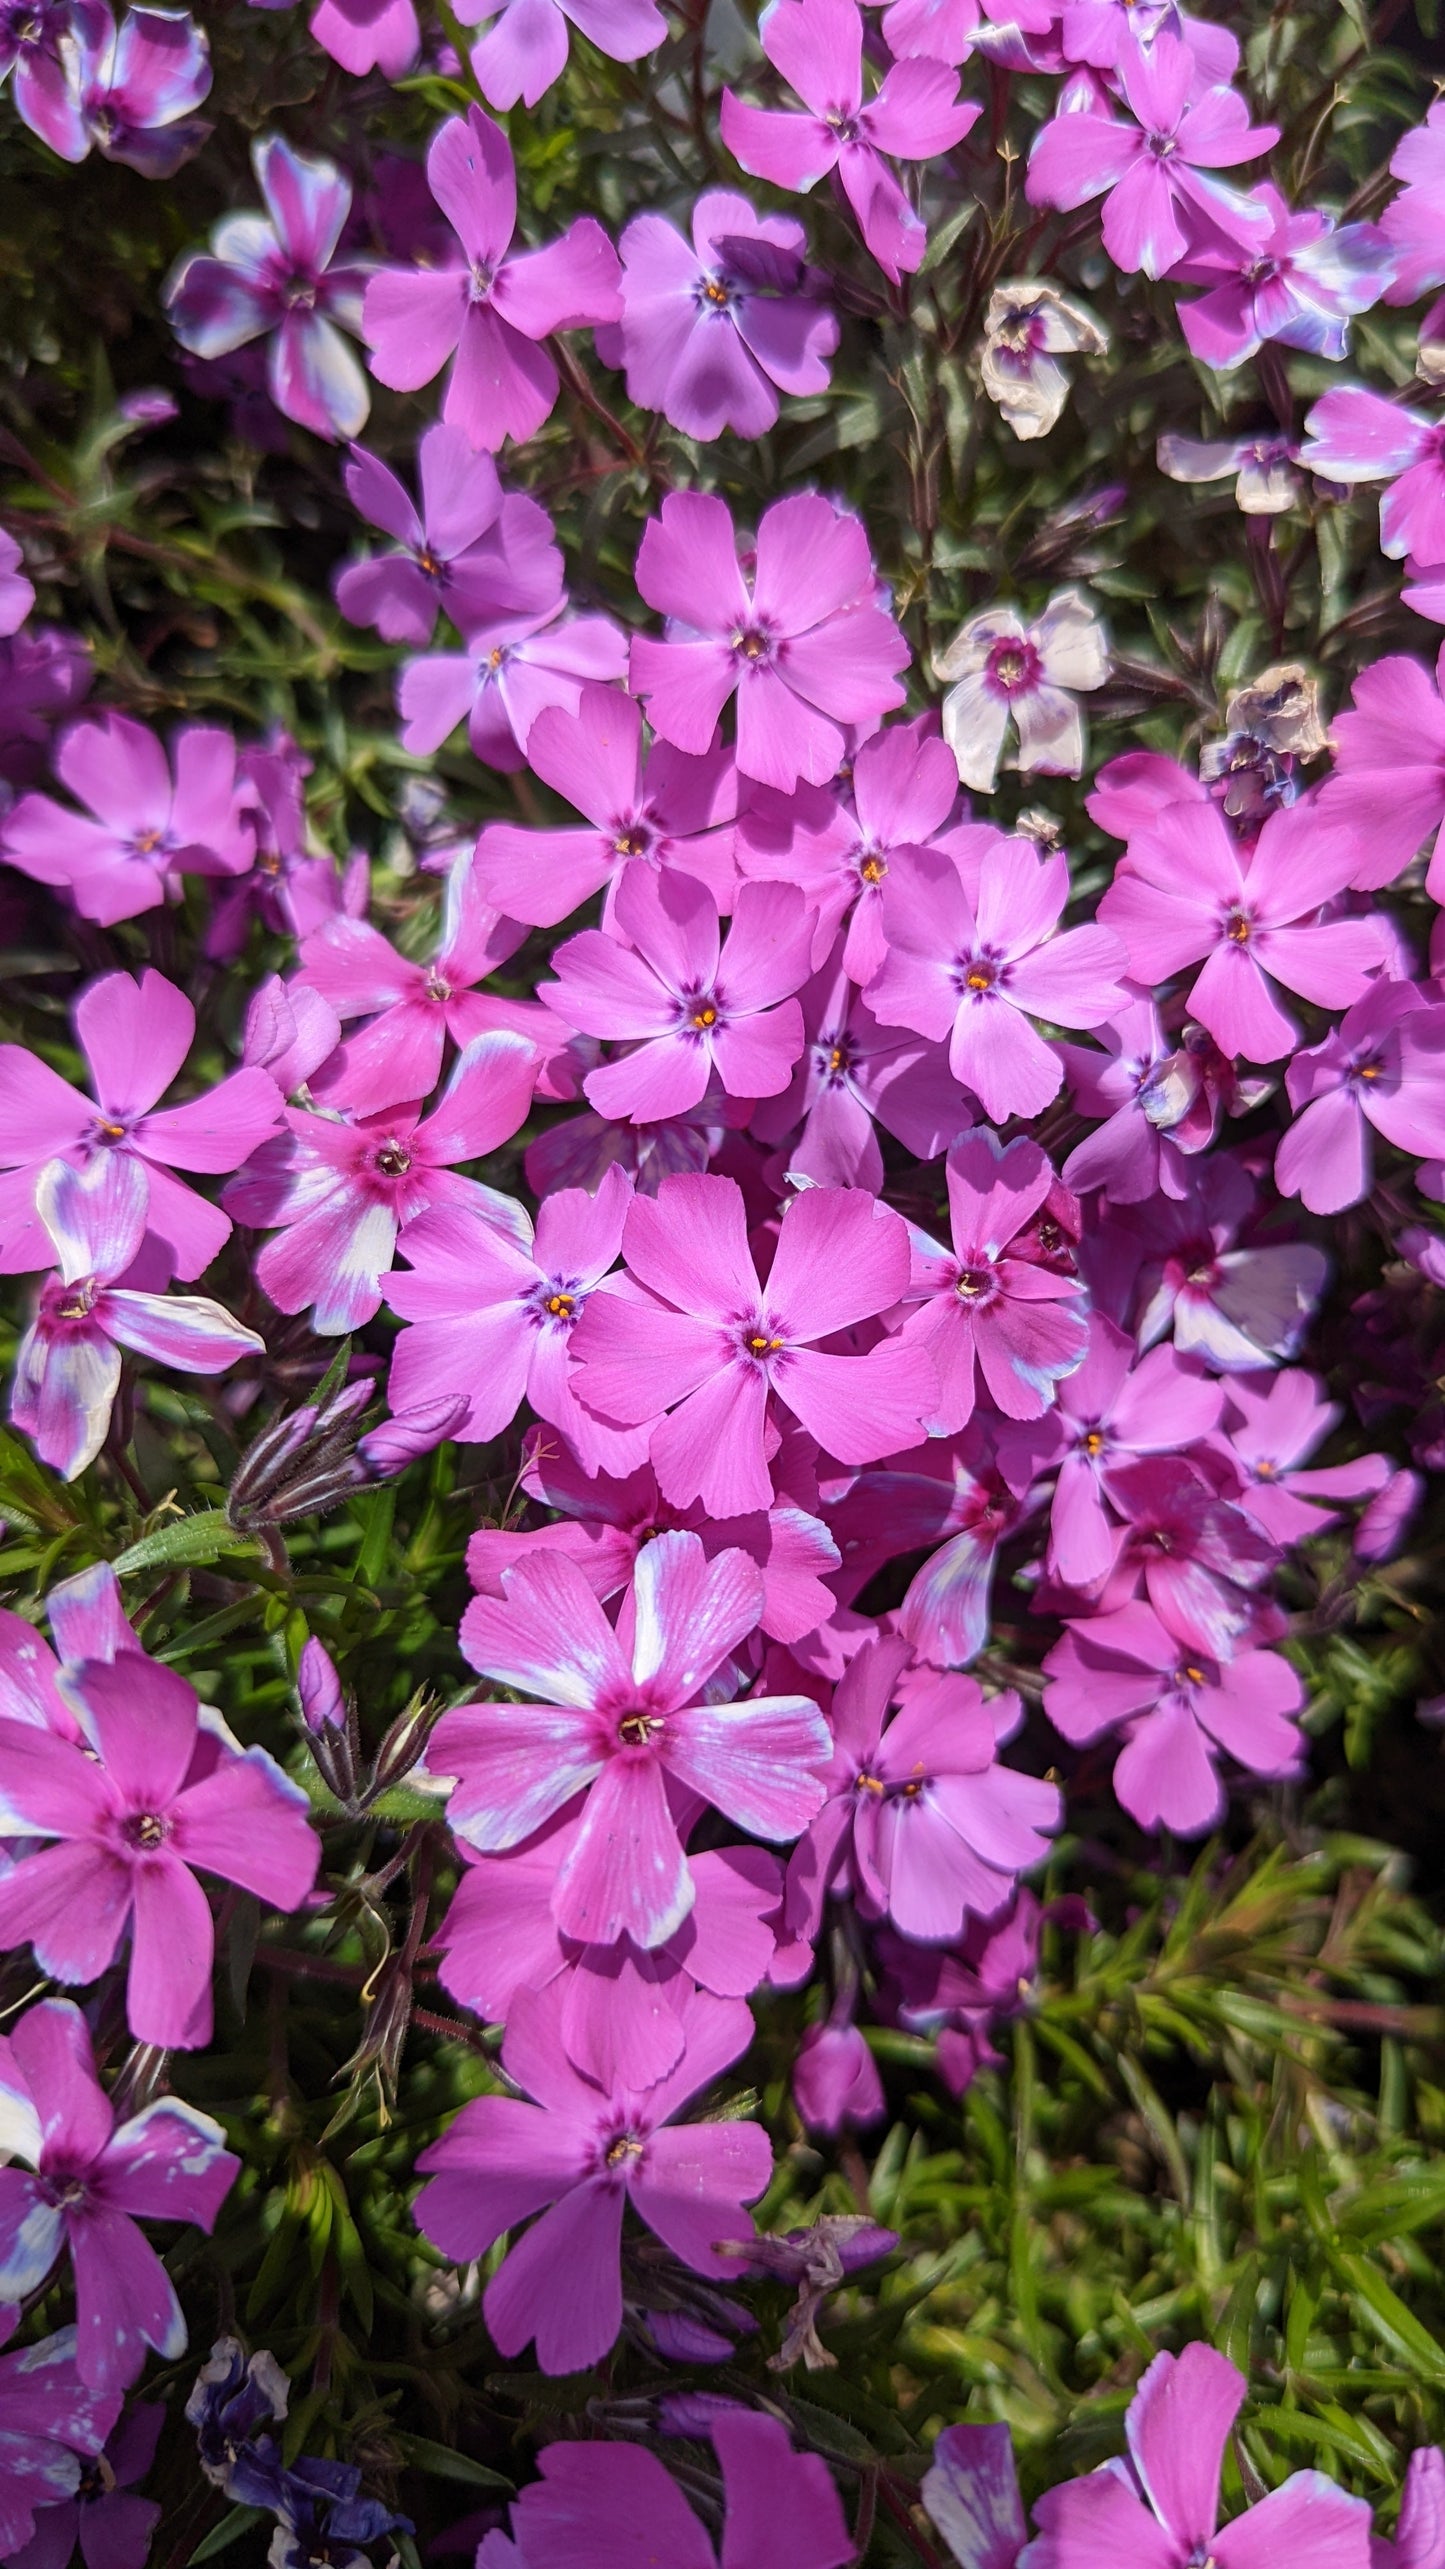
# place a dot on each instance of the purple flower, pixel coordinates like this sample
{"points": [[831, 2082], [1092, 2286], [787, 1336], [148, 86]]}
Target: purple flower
{"points": [[135, 1036], [1358, 436], [1177, 1712], [489, 306], [1388, 785], [950, 1495], [45, 673], [1419, 2541], [976, 967], [1160, 2508], [1156, 170], [1159, 1106], [91, 2180], [1027, 328], [411, 1007], [50, 2426], [344, 1192], [853, 1070], [623, 1726], [1235, 1308], [144, 830], [711, 332], [39, 40], [835, 2079], [68, 1364], [898, 791], [137, 88], [128, 1824], [111, 2524], [473, 552], [1265, 483], [367, 35], [510, 672], [1382, 1066], [272, 276], [920, 1815], [1196, 1556], [1000, 670], [1186, 894], [971, 2489], [983, 1307], [602, 2502], [916, 115], [656, 809], [805, 641], [492, 1315], [1277, 1423], [525, 49], [579, 2156], [1411, 224], [17, 594], [694, 1008], [1298, 286], [698, 1336]]}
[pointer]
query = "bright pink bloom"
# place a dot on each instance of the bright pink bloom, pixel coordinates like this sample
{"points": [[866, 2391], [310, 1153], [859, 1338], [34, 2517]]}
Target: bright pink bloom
{"points": [[579, 2155], [1198, 1558], [835, 2079], [525, 49], [1125, 1673], [140, 830], [1187, 894], [1419, 2541], [950, 1494], [804, 640], [854, 1071], [654, 808], [1160, 2508], [492, 1314], [697, 1335], [917, 115], [344, 1192], [129, 1824], [1382, 1066], [1278, 1422], [472, 551], [368, 35], [512, 670], [900, 793], [624, 1727], [1299, 287], [137, 85], [1117, 1405], [970, 2489], [135, 1036], [1414, 224], [920, 1816], [113, 2526], [694, 1009], [91, 2180], [982, 1306], [1358, 436], [977, 969], [489, 304], [1156, 171], [1388, 784], [1158, 1104], [17, 594], [1236, 1308], [50, 2428], [713, 330], [68, 1363]]}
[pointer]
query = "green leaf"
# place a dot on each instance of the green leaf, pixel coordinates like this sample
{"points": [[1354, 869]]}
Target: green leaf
{"points": [[187, 1542], [235, 2522], [444, 2464]]}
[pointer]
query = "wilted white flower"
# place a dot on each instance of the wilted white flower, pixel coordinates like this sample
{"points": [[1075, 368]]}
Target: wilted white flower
{"points": [[1026, 329], [1266, 481], [1030, 675]]}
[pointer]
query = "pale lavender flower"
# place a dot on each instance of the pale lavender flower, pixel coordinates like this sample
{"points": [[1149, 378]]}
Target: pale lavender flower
{"points": [[1000, 670], [1027, 328]]}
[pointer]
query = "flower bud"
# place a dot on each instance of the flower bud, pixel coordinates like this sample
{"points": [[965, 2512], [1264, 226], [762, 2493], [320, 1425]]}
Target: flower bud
{"points": [[389, 1447], [301, 1464]]}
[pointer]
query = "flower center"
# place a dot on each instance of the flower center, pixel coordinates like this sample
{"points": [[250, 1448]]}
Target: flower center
{"points": [[1093, 1442], [437, 989], [973, 1284], [1163, 146], [1237, 928], [560, 1305], [706, 1015], [1013, 666], [752, 644], [844, 126], [872, 869], [106, 1131], [632, 841], [716, 293], [482, 280], [79, 1300], [392, 1160], [145, 1829], [639, 1729], [146, 842], [624, 2149], [299, 294], [427, 561]]}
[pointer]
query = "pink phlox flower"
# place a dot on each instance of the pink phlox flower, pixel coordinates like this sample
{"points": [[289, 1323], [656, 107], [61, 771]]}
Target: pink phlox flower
{"points": [[853, 1073], [1107, 33], [605, 1522], [656, 808], [510, 672], [1159, 1104], [1382, 1067], [1262, 466], [714, 329], [1128, 793], [1126, 1675], [695, 1006], [1161, 2506], [1412, 221], [76, 2182], [1358, 436], [916, 115], [1388, 784], [970, 2490], [625, 2007], [1188, 894], [1000, 670], [17, 594], [39, 44], [491, 1316], [471, 551], [1277, 1420], [141, 829], [411, 1007], [45, 673], [68, 1363], [274, 276], [959, 1996], [1419, 2541], [137, 86], [980, 1308], [1156, 172], [525, 49], [898, 791], [135, 1036], [835, 2077], [579, 2156], [1237, 1307], [802, 636], [626, 1726], [489, 306], [128, 1825], [602, 2501], [978, 970], [113, 2526], [1299, 286], [579, 1150], [951, 1495], [368, 35], [291, 1032], [921, 1818], [344, 1191], [51, 2426], [288, 886], [695, 1335], [1199, 1559]]}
